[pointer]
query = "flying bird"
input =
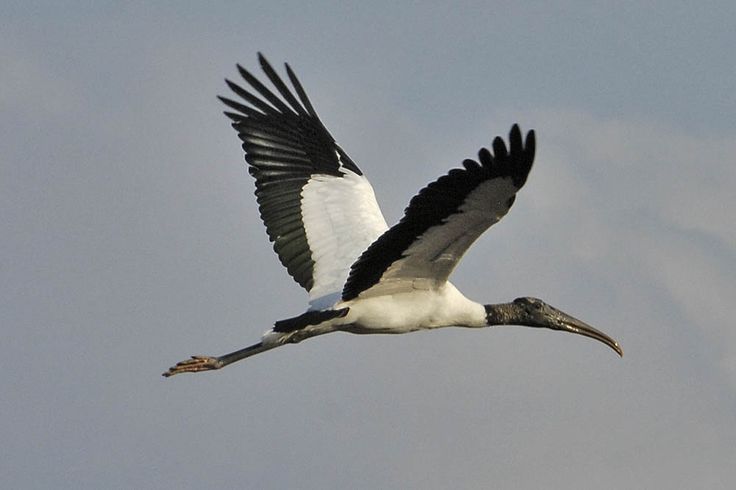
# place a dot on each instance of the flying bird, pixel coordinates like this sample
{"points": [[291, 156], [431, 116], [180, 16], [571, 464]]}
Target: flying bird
{"points": [[326, 227]]}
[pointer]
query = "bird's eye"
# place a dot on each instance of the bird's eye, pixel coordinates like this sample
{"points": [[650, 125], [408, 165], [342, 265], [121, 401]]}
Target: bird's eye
{"points": [[532, 303], [529, 303]]}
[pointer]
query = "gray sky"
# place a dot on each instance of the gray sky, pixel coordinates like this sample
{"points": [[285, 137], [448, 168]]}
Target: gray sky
{"points": [[130, 240]]}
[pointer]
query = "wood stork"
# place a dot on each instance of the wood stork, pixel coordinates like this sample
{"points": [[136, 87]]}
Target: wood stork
{"points": [[363, 277]]}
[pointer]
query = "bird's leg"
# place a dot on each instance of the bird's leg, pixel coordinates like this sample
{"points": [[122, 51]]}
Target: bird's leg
{"points": [[270, 340], [194, 365], [208, 363]]}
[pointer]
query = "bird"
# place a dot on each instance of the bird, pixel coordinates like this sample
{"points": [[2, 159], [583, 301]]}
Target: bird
{"points": [[362, 276]]}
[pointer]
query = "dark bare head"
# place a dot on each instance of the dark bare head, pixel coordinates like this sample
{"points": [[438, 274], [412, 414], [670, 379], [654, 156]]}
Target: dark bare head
{"points": [[533, 312]]}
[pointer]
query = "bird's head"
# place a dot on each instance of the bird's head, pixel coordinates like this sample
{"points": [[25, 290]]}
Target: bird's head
{"points": [[533, 312]]}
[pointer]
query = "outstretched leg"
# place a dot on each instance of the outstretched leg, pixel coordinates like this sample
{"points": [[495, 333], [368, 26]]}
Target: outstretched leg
{"points": [[290, 331], [207, 363]]}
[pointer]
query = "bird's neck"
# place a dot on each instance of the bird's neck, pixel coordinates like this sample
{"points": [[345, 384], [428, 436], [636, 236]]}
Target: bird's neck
{"points": [[500, 314]]}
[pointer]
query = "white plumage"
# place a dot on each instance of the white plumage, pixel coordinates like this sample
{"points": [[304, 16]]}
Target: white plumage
{"points": [[336, 233]]}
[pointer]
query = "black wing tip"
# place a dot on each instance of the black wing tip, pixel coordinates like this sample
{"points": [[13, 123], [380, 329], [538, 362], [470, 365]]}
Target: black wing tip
{"points": [[499, 148], [513, 160], [524, 145], [263, 61], [264, 99], [516, 144], [232, 85], [233, 88], [516, 161], [484, 157], [301, 93], [270, 72], [515, 132], [234, 116], [530, 144], [289, 71], [243, 71], [472, 165]]}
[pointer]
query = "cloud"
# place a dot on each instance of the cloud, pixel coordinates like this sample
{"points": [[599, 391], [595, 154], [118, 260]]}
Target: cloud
{"points": [[648, 198]]}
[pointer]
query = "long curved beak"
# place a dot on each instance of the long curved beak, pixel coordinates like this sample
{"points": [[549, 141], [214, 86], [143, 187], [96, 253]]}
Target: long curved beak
{"points": [[567, 323]]}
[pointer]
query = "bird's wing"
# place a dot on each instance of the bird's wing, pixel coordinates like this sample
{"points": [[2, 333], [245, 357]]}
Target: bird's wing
{"points": [[319, 210], [442, 221]]}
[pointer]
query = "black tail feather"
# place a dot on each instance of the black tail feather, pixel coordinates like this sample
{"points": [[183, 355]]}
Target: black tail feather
{"points": [[314, 317]]}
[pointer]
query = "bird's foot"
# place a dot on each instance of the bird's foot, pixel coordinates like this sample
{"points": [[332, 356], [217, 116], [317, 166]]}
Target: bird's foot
{"points": [[194, 365]]}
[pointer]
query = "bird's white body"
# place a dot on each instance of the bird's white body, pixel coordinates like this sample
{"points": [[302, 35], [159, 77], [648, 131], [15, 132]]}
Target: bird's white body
{"points": [[414, 310], [418, 309]]}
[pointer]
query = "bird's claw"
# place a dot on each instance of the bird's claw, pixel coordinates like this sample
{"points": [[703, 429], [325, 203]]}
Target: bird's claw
{"points": [[194, 365]]}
